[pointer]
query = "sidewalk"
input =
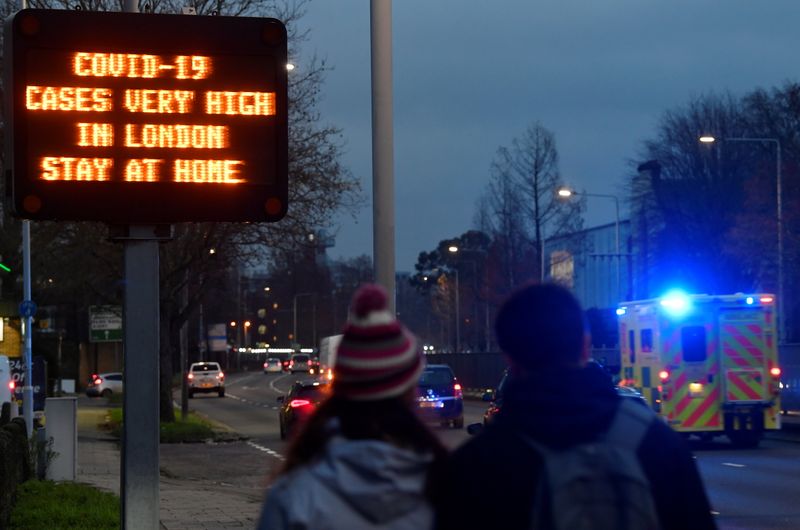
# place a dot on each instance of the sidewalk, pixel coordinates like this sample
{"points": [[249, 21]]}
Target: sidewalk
{"points": [[203, 486]]}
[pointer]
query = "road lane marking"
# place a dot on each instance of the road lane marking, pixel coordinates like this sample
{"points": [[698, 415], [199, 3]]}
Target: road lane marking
{"points": [[733, 465], [272, 384], [267, 450], [234, 397]]}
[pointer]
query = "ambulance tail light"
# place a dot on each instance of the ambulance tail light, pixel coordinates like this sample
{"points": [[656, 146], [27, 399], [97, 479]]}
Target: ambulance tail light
{"points": [[663, 375], [766, 299], [775, 371], [12, 385]]}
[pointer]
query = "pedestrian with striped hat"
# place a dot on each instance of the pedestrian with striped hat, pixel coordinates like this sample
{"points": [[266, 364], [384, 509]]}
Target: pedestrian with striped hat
{"points": [[364, 457]]}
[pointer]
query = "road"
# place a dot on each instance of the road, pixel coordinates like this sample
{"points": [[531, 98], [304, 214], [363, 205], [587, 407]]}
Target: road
{"points": [[749, 489]]}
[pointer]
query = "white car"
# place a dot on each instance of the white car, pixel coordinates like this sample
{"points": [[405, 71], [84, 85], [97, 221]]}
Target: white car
{"points": [[300, 362], [206, 377], [105, 384], [273, 365]]}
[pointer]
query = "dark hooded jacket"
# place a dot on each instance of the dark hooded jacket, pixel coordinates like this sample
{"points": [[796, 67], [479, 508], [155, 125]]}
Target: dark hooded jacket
{"points": [[491, 481]]}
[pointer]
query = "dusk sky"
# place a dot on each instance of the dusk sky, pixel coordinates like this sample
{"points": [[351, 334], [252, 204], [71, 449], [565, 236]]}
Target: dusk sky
{"points": [[469, 76]]}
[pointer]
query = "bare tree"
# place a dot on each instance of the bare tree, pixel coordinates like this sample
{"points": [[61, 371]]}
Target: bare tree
{"points": [[520, 208], [320, 186]]}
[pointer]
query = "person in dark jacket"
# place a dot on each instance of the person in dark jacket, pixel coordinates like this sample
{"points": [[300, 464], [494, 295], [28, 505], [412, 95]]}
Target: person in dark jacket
{"points": [[553, 398]]}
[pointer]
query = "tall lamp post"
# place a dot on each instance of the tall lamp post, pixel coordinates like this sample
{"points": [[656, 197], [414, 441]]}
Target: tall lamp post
{"points": [[455, 250], [566, 193], [778, 214]]}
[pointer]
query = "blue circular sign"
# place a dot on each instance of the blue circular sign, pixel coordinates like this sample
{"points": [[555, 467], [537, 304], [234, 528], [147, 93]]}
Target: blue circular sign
{"points": [[27, 308]]}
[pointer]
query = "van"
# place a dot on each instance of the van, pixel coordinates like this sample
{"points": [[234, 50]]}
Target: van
{"points": [[6, 381]]}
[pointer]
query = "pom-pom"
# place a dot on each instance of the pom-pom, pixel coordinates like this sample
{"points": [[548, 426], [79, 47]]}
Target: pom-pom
{"points": [[369, 298]]}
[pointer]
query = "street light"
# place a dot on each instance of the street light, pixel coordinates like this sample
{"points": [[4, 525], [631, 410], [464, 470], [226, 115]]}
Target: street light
{"points": [[708, 139], [454, 249], [566, 192]]}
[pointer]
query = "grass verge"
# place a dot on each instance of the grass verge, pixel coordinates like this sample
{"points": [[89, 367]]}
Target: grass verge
{"points": [[193, 429], [46, 504]]}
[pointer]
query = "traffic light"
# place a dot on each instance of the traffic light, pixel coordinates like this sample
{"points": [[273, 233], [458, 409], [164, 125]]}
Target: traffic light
{"points": [[142, 118]]}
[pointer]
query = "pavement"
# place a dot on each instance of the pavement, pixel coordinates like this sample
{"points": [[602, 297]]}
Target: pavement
{"points": [[206, 486], [209, 486]]}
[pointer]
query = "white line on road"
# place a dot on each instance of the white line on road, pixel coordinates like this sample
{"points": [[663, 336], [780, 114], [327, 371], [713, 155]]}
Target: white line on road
{"points": [[233, 397], [272, 384], [733, 465], [267, 450]]}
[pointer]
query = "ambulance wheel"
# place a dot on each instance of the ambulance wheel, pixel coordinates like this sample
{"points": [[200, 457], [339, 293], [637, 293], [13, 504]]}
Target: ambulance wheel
{"points": [[745, 439]]}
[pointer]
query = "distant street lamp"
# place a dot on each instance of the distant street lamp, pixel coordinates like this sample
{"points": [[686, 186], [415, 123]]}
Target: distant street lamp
{"points": [[708, 139], [454, 249], [566, 193]]}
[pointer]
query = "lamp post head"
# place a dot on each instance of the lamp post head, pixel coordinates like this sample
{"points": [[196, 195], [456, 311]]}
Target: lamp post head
{"points": [[452, 248], [565, 192], [707, 139]]}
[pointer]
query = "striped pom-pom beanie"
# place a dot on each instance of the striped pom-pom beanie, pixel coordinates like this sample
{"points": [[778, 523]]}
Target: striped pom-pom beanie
{"points": [[377, 358]]}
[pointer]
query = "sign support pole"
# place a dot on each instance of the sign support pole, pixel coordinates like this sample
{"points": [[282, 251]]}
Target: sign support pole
{"points": [[27, 389], [140, 432]]}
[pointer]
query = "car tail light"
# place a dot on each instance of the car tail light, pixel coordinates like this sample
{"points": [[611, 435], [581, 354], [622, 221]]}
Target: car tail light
{"points": [[457, 388], [220, 375], [309, 363], [12, 385], [663, 375], [190, 377], [311, 371], [97, 381], [265, 365], [299, 403], [775, 371], [94, 376]]}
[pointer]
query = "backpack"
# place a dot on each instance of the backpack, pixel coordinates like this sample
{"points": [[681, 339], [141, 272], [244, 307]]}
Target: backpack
{"points": [[598, 485]]}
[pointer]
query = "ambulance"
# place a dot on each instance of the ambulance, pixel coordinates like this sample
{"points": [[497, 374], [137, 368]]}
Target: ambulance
{"points": [[707, 364]]}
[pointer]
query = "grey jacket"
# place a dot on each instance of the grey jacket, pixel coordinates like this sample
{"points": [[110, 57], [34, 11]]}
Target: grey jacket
{"points": [[355, 484]]}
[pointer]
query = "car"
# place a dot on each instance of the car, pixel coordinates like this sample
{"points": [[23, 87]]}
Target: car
{"points": [[296, 406], [205, 377], [273, 365], [300, 362], [495, 399], [440, 397], [7, 384], [104, 384]]}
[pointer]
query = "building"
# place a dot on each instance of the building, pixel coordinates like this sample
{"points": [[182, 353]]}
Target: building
{"points": [[589, 264]]}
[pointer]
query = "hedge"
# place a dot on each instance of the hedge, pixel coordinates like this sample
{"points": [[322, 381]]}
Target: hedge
{"points": [[15, 465]]}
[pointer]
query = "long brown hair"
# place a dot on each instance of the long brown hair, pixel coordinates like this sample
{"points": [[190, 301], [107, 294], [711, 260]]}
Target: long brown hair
{"points": [[391, 420]]}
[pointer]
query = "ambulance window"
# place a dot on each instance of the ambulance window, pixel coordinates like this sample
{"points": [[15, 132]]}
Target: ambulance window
{"points": [[693, 341], [632, 346], [647, 340]]}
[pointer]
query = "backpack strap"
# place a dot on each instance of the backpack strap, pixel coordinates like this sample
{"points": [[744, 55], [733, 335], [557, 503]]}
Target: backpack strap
{"points": [[630, 424]]}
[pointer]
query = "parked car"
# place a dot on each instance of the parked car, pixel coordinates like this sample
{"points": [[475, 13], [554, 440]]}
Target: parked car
{"points": [[300, 362], [273, 365], [104, 384], [299, 403], [206, 377], [440, 396]]}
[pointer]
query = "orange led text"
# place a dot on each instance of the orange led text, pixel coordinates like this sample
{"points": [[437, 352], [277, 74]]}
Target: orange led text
{"points": [[95, 134], [69, 98], [142, 170], [70, 168], [207, 171], [240, 103], [135, 65], [159, 101], [176, 136]]}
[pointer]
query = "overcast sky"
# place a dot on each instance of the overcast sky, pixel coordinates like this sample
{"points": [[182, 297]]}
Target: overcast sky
{"points": [[471, 75]]}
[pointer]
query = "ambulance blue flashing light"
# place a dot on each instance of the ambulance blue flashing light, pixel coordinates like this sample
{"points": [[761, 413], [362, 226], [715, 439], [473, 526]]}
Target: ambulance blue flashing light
{"points": [[621, 311], [676, 303], [749, 300]]}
